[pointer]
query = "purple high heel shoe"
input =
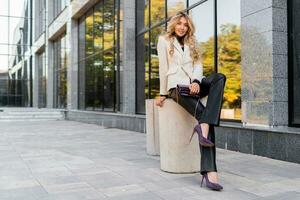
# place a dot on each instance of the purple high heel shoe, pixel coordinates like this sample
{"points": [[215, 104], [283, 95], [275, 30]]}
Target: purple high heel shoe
{"points": [[210, 185], [202, 140]]}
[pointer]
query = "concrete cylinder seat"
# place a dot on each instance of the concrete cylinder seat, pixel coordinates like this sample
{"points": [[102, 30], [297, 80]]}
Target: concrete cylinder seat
{"points": [[175, 129]]}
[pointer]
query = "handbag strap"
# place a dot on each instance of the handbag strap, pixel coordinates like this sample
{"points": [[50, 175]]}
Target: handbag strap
{"points": [[186, 74]]}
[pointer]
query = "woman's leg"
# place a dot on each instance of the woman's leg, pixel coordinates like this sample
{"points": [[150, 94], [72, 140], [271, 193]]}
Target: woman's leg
{"points": [[208, 154], [190, 104], [213, 86]]}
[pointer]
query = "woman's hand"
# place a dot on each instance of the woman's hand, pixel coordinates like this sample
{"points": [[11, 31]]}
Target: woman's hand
{"points": [[194, 88], [159, 100]]}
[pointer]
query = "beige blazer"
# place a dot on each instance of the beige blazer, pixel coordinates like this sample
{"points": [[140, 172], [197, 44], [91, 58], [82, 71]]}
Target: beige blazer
{"points": [[170, 71]]}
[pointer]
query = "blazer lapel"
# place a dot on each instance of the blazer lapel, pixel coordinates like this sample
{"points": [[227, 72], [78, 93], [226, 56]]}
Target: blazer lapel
{"points": [[177, 46], [186, 53]]}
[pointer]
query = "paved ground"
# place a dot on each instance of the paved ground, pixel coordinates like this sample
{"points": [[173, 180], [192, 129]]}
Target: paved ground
{"points": [[63, 160]]}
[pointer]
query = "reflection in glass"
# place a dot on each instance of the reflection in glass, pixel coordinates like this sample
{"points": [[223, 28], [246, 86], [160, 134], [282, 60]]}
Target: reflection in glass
{"points": [[191, 2], [89, 83], [99, 81], [154, 62], [97, 39], [142, 12], [17, 8], [4, 8], [142, 71], [108, 71], [81, 66], [146, 13], [295, 60], [4, 36], [57, 7], [157, 11], [203, 18], [174, 6], [60, 67], [229, 57], [98, 28], [89, 35], [108, 25], [40, 17], [42, 78], [15, 62]]}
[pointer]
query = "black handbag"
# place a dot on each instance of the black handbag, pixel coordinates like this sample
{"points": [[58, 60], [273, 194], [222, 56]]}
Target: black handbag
{"points": [[184, 90]]}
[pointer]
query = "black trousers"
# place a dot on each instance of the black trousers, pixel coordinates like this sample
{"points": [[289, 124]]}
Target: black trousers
{"points": [[213, 87]]}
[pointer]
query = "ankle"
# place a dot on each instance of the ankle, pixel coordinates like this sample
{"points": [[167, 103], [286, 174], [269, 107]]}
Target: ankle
{"points": [[205, 129], [212, 176]]}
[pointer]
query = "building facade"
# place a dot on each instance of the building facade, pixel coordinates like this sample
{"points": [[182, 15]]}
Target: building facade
{"points": [[97, 59]]}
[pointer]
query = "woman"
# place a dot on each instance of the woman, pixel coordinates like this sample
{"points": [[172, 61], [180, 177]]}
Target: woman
{"points": [[179, 63]]}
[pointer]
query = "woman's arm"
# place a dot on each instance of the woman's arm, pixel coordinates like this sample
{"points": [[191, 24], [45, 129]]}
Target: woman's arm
{"points": [[197, 75], [163, 64]]}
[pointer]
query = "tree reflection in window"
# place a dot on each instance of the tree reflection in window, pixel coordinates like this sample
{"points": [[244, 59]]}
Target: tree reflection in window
{"points": [[154, 61], [97, 79], [174, 6]]}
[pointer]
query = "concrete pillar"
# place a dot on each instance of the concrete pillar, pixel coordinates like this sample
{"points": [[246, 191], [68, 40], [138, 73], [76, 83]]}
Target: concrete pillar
{"points": [[128, 70], [35, 81], [152, 127], [175, 129], [264, 62], [72, 55]]}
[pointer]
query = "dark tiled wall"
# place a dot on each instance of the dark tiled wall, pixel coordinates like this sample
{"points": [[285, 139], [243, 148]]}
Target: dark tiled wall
{"points": [[278, 145], [111, 120]]}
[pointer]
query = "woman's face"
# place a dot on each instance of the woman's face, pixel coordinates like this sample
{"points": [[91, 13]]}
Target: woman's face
{"points": [[181, 27]]}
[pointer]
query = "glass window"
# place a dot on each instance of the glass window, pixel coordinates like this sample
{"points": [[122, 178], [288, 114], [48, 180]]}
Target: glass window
{"points": [[157, 11], [57, 7], [203, 18], [4, 8], [142, 71], [174, 6], [142, 13], [108, 25], [108, 75], [40, 17], [98, 28], [99, 81], [81, 69], [89, 35], [81, 85], [89, 83], [229, 56], [60, 66], [4, 36], [14, 46], [97, 39], [154, 75], [191, 2], [294, 60], [42, 78], [17, 8]]}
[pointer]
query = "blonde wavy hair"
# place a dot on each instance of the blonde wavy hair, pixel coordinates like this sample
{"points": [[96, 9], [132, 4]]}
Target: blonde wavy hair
{"points": [[189, 37]]}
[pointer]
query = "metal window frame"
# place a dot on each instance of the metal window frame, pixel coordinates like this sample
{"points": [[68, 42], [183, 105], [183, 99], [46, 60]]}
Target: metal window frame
{"points": [[291, 103]]}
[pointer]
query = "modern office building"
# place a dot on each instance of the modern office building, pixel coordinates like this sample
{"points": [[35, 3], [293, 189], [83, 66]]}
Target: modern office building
{"points": [[97, 59]]}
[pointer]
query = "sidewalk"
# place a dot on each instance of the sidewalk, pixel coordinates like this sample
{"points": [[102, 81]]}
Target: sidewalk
{"points": [[64, 160]]}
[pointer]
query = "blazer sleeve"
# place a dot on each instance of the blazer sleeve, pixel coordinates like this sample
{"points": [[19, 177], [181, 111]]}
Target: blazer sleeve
{"points": [[197, 75], [163, 64]]}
